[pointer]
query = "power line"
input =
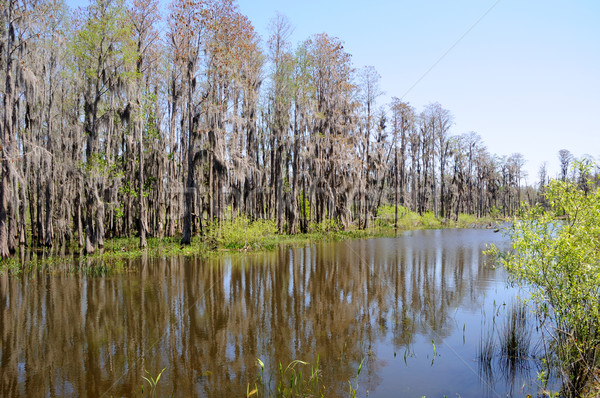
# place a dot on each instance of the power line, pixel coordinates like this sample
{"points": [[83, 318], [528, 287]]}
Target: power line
{"points": [[451, 48]]}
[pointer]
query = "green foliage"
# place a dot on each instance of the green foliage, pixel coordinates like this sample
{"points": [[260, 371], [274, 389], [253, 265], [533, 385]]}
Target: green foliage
{"points": [[304, 204], [324, 227], [412, 220], [241, 233], [495, 212], [151, 131], [10, 265], [128, 189], [98, 164], [386, 215], [103, 37], [119, 212], [152, 381], [429, 220], [467, 219], [148, 186], [555, 255]]}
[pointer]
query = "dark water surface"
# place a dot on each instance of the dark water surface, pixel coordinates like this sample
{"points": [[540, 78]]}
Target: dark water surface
{"points": [[413, 308]]}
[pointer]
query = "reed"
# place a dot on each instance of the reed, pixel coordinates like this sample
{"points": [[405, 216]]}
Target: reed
{"points": [[515, 335]]}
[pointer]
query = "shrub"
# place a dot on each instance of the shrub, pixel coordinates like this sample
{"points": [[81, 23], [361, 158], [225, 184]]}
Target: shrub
{"points": [[555, 255], [242, 233], [324, 227]]}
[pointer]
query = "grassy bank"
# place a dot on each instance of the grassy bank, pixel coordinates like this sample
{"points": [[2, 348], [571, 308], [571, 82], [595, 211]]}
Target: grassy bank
{"points": [[243, 235], [237, 235]]}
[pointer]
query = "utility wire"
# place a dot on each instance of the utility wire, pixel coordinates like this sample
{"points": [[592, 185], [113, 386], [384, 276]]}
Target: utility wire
{"points": [[451, 48]]}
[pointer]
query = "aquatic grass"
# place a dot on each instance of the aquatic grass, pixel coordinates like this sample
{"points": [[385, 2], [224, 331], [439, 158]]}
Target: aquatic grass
{"points": [[291, 381], [505, 346], [353, 384], [487, 341], [486, 348], [27, 261], [241, 233], [152, 381], [515, 335], [296, 379], [259, 382], [472, 221]]}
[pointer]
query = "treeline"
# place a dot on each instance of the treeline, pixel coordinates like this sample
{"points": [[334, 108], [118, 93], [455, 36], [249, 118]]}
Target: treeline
{"points": [[118, 121]]}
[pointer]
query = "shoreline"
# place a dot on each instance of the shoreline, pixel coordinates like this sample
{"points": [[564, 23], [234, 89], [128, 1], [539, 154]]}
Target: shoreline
{"points": [[235, 236]]}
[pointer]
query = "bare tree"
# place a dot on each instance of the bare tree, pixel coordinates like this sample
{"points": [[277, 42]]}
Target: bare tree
{"points": [[144, 17], [187, 23], [369, 92], [403, 119], [281, 98], [565, 158]]}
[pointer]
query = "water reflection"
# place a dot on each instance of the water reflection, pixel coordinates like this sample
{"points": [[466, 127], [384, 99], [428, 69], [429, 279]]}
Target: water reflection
{"points": [[208, 321]]}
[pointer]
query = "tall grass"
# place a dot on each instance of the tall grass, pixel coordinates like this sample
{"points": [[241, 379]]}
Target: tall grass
{"points": [[515, 335], [487, 347], [505, 346], [515, 342], [408, 219]]}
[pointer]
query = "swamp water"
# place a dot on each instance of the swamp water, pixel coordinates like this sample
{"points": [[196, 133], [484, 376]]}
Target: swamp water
{"points": [[414, 310]]}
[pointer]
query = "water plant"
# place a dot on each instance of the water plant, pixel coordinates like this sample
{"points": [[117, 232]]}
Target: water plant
{"points": [[353, 384], [292, 380], [515, 335], [152, 381], [486, 348]]}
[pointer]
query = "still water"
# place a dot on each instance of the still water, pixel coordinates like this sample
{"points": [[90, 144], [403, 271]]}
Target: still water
{"points": [[413, 309]]}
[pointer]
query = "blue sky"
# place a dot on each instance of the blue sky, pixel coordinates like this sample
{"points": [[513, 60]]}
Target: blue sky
{"points": [[525, 77]]}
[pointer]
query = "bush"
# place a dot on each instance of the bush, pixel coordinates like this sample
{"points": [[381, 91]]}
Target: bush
{"points": [[242, 233], [466, 220], [556, 256], [386, 214], [429, 220], [324, 227]]}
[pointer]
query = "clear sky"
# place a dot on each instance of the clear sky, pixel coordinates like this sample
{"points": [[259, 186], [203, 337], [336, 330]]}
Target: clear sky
{"points": [[525, 76]]}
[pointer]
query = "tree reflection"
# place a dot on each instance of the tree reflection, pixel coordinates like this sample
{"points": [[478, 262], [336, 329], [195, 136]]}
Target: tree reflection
{"points": [[207, 321]]}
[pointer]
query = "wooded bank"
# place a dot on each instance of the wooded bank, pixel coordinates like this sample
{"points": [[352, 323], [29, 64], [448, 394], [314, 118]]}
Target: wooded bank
{"points": [[120, 121]]}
